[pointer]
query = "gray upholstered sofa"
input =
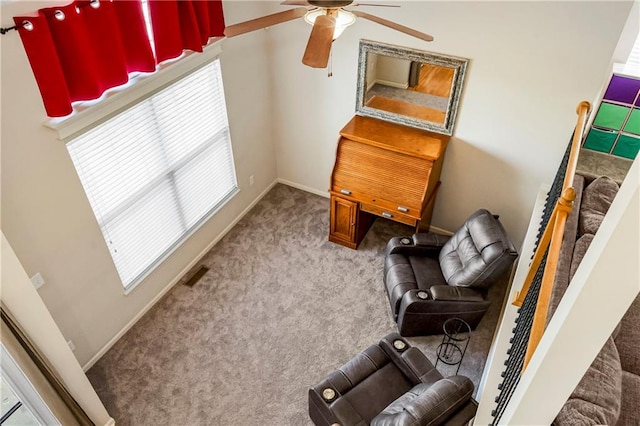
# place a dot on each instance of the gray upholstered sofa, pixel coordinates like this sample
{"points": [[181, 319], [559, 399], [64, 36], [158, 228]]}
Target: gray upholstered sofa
{"points": [[609, 392]]}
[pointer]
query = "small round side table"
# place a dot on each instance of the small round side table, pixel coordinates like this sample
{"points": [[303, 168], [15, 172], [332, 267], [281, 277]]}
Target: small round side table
{"points": [[457, 334]]}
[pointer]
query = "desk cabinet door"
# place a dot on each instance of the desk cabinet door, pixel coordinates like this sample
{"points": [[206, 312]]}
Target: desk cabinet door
{"points": [[343, 219]]}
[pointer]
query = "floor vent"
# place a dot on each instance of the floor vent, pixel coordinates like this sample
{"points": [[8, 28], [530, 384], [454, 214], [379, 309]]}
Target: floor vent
{"points": [[196, 276]]}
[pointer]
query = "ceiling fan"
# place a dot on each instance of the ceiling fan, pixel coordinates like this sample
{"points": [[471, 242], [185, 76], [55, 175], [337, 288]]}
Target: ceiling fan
{"points": [[329, 19]]}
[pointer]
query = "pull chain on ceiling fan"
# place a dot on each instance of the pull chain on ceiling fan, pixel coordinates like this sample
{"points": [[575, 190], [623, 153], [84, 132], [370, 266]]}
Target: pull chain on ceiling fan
{"points": [[329, 19]]}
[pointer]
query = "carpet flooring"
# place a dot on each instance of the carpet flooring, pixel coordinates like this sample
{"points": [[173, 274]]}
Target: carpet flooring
{"points": [[279, 309]]}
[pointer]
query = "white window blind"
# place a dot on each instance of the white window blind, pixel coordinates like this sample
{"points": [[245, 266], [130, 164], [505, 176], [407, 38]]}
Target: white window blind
{"points": [[156, 171], [632, 66]]}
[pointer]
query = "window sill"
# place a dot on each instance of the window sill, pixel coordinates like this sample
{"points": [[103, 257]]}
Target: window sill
{"points": [[120, 98]]}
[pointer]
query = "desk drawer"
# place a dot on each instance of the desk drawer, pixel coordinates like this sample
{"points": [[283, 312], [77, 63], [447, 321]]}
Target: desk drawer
{"points": [[378, 203], [389, 214]]}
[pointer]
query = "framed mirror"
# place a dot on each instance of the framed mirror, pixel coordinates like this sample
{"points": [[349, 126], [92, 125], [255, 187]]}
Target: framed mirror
{"points": [[409, 86]]}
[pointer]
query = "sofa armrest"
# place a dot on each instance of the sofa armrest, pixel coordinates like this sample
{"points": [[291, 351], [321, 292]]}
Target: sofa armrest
{"points": [[427, 404], [454, 293], [413, 363], [338, 412], [429, 239], [407, 246]]}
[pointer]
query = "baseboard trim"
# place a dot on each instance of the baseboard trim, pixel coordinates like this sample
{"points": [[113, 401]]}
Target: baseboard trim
{"points": [[305, 188], [173, 282], [392, 83], [186, 269], [325, 194], [110, 422]]}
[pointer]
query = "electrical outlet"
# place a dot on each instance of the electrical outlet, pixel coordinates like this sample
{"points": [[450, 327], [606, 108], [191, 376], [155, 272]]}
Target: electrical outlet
{"points": [[251, 180], [71, 345], [37, 280]]}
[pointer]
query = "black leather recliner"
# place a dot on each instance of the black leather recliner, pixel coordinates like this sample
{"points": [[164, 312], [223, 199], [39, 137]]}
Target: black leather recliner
{"points": [[391, 384], [430, 278]]}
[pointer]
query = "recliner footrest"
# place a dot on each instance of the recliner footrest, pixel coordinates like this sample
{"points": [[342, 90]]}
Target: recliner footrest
{"points": [[419, 317]]}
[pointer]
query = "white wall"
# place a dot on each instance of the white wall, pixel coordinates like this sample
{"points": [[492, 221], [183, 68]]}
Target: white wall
{"points": [[46, 216], [26, 307], [370, 72], [515, 120], [563, 350], [531, 63], [623, 217], [393, 70]]}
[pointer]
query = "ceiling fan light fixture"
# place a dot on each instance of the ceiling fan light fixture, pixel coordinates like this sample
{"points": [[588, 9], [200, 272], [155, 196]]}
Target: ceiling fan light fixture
{"points": [[343, 19]]}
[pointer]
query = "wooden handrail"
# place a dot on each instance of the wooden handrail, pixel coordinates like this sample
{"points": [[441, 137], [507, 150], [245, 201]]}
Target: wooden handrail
{"points": [[562, 211], [552, 240], [582, 110]]}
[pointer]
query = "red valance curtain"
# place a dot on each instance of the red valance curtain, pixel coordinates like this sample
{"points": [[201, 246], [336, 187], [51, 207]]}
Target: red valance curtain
{"points": [[184, 24], [80, 50]]}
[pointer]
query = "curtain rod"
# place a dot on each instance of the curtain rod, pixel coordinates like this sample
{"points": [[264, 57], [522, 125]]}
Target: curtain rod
{"points": [[29, 26]]}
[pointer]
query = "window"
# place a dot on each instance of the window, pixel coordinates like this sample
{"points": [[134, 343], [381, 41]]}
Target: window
{"points": [[632, 66], [156, 171]]}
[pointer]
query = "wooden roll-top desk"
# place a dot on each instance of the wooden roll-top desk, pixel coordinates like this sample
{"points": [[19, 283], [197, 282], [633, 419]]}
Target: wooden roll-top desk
{"points": [[383, 169]]}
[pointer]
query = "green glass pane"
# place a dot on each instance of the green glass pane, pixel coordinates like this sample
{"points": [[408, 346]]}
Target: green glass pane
{"points": [[627, 147], [633, 125], [611, 116], [600, 140]]}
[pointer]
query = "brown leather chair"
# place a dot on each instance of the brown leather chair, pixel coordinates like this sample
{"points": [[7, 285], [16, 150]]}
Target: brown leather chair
{"points": [[391, 384], [430, 278]]}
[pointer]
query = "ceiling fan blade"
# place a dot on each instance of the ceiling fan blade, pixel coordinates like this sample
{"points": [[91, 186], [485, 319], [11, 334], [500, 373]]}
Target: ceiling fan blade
{"points": [[316, 55], [263, 22], [374, 4], [295, 3], [393, 25]]}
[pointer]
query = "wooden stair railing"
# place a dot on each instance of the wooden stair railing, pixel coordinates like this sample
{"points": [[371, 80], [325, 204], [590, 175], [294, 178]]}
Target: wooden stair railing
{"points": [[551, 240]]}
